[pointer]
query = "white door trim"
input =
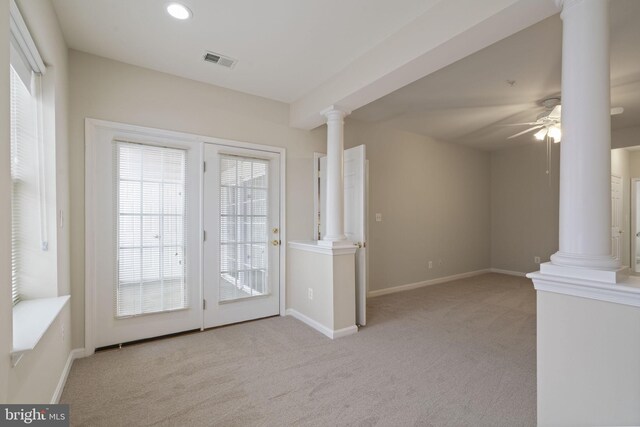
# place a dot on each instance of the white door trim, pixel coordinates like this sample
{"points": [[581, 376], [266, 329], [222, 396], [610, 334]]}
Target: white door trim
{"points": [[634, 228], [316, 194], [91, 128]]}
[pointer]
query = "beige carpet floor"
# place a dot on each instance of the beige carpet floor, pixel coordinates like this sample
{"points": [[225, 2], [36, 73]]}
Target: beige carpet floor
{"points": [[454, 354]]}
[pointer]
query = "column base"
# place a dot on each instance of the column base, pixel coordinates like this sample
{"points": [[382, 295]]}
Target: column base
{"points": [[341, 243], [595, 262], [610, 286], [615, 275]]}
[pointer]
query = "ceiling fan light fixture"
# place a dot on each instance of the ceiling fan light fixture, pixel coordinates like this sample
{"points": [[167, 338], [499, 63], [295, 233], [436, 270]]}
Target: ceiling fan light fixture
{"points": [[540, 134], [555, 133]]}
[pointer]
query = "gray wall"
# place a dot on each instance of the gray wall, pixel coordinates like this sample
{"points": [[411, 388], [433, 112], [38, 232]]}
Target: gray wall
{"points": [[524, 206], [434, 200]]}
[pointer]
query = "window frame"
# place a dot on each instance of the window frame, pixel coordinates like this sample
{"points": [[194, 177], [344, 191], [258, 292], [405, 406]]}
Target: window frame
{"points": [[26, 63]]}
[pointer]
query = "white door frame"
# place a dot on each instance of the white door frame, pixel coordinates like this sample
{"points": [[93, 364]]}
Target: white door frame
{"points": [[92, 129], [634, 228], [316, 193]]}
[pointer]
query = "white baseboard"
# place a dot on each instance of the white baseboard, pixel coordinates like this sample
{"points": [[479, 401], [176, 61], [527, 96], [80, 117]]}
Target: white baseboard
{"points": [[74, 354], [417, 285], [508, 272], [338, 333]]}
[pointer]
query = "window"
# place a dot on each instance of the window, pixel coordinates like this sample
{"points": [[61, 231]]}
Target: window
{"points": [[151, 265], [244, 190], [28, 209]]}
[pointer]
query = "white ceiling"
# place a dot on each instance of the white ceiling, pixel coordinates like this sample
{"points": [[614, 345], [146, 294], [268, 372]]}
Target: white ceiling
{"points": [[285, 48], [468, 101]]}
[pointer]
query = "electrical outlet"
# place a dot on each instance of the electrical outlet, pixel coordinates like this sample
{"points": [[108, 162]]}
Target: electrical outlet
{"points": [[310, 293], [430, 264], [536, 259], [378, 217], [62, 332]]}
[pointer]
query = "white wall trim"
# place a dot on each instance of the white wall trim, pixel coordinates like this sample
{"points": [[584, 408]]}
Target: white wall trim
{"points": [[320, 327], [74, 354], [316, 246], [410, 286], [508, 272], [349, 330], [626, 293]]}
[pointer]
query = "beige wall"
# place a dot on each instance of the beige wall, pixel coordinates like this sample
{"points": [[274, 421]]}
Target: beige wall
{"points": [[524, 206], [331, 278], [434, 200], [627, 137], [634, 163], [110, 90], [588, 370], [36, 377]]}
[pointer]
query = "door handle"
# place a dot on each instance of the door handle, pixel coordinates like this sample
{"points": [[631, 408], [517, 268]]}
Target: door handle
{"points": [[275, 242], [360, 245]]}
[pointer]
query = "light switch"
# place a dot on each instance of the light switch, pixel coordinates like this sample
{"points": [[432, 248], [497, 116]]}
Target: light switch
{"points": [[378, 217]]}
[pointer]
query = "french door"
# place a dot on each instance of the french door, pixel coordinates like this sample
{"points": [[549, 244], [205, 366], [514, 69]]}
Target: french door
{"points": [[241, 263], [172, 245]]}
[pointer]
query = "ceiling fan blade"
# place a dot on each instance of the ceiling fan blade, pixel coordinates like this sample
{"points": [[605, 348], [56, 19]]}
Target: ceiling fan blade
{"points": [[522, 124], [556, 113], [526, 131], [617, 110]]}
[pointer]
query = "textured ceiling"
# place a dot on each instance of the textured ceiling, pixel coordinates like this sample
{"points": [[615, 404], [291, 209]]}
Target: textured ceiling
{"points": [[468, 101]]}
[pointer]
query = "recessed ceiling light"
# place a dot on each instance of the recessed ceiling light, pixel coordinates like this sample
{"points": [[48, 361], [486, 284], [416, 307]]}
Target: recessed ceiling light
{"points": [[179, 11]]}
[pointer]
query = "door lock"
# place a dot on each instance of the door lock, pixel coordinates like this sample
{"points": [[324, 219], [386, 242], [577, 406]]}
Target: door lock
{"points": [[360, 245], [275, 242], [275, 230]]}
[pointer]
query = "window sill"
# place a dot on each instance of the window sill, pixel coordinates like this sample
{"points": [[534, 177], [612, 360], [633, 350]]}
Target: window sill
{"points": [[31, 320]]}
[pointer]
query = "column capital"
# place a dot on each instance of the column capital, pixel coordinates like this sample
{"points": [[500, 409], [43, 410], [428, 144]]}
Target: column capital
{"points": [[565, 5], [334, 112]]}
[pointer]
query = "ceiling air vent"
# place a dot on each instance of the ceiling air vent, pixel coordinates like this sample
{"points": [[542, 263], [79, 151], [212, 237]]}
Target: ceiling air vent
{"points": [[222, 60]]}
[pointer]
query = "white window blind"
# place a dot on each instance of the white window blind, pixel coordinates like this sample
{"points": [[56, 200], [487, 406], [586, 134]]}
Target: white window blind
{"points": [[151, 223], [244, 190], [25, 195]]}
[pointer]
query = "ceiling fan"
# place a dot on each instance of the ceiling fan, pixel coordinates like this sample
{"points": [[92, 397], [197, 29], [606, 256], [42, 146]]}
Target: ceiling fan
{"points": [[548, 122]]}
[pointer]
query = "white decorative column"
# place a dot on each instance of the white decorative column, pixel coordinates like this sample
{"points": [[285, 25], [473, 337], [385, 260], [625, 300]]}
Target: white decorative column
{"points": [[585, 157], [334, 221], [585, 170], [321, 289], [588, 311]]}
